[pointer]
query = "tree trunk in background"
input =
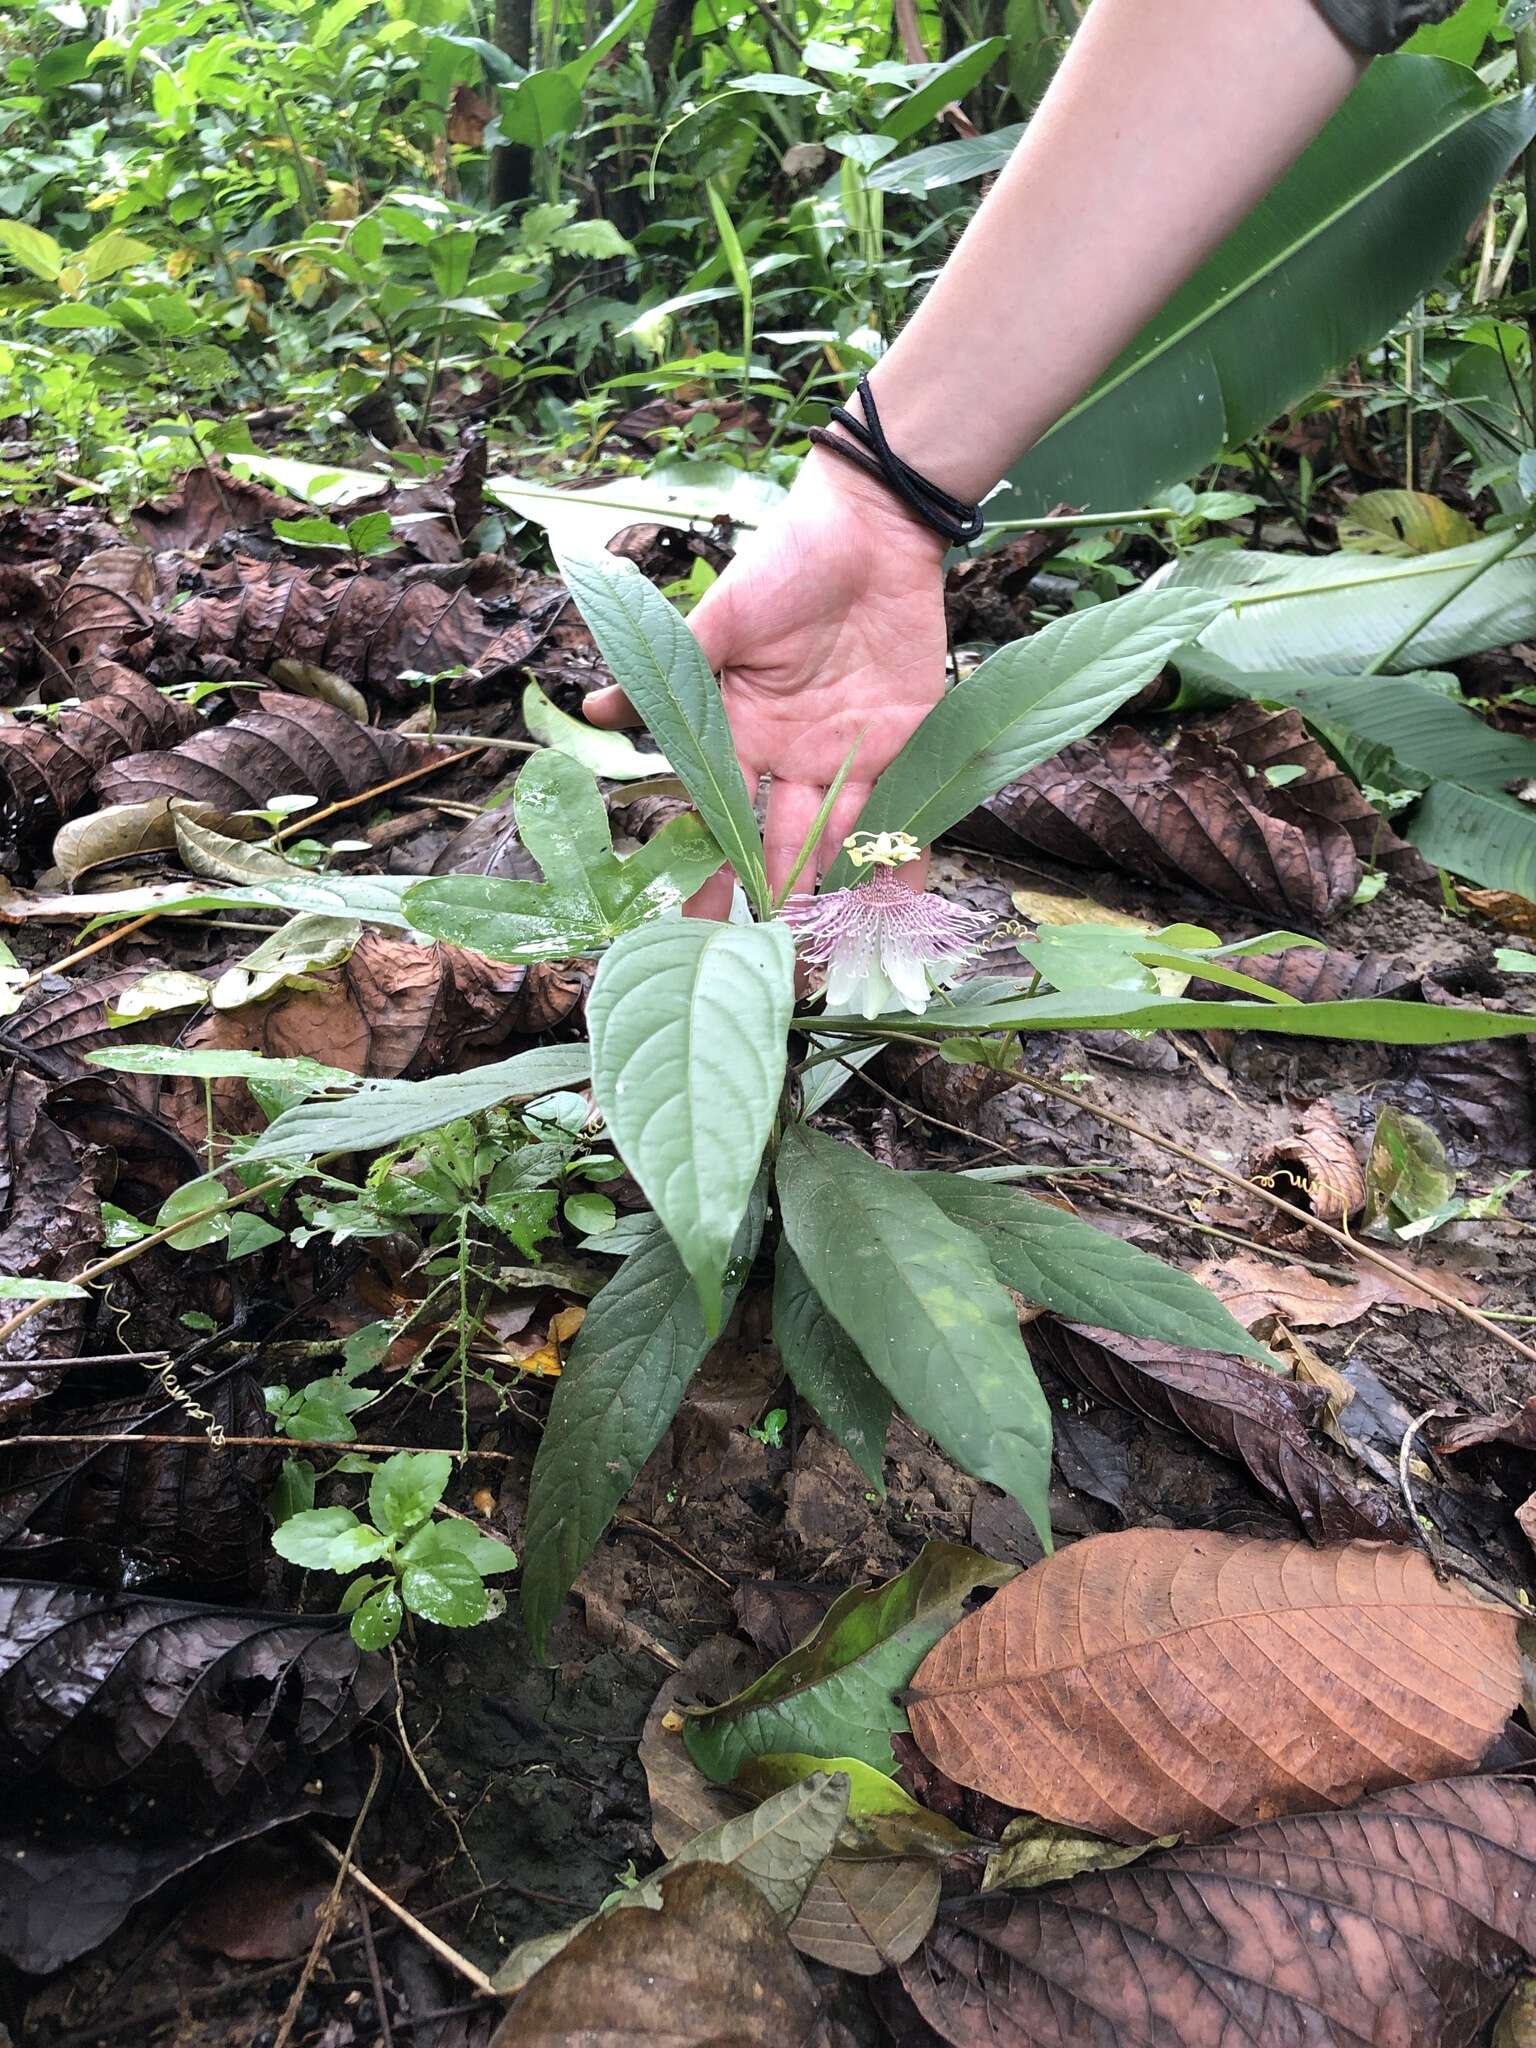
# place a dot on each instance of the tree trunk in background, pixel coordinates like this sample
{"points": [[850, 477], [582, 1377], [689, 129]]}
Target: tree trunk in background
{"points": [[512, 165], [661, 38]]}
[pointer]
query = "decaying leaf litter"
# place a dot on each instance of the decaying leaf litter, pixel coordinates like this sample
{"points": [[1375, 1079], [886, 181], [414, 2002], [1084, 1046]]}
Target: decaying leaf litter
{"points": [[823, 1747], [734, 1525]]}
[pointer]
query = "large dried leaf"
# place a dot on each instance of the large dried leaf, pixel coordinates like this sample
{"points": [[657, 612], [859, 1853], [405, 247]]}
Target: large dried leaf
{"points": [[47, 769], [712, 1969], [1401, 1924], [367, 627], [162, 1513], [1321, 974], [391, 1011], [50, 1224], [98, 1688], [1240, 1410], [108, 599], [1158, 1682], [61, 1020], [1487, 1096], [201, 507], [286, 747], [1203, 813]]}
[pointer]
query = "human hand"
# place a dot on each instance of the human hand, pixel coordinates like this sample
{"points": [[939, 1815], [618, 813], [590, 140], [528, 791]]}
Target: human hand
{"points": [[827, 629]]}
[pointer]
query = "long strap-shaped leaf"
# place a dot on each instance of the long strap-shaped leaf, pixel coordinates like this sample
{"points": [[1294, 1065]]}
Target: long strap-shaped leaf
{"points": [[662, 670], [1025, 704], [1362, 224]]}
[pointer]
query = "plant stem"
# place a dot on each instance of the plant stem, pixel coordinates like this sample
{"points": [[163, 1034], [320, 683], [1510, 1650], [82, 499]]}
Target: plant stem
{"points": [[1141, 515]]}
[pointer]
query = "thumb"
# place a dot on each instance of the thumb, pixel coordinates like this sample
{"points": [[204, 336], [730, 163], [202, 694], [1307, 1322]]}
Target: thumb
{"points": [[609, 707]]}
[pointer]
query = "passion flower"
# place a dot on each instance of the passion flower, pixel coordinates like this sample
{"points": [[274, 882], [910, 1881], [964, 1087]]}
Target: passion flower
{"points": [[879, 943]]}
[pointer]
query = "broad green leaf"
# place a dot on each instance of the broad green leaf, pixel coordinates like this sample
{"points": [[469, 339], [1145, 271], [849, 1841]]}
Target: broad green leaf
{"points": [[1366, 220], [486, 1555], [1056, 1259], [212, 1064], [447, 1590], [684, 495], [780, 1846], [661, 667], [688, 1022], [1402, 523], [642, 1340], [386, 1112], [1491, 840], [946, 163], [588, 896], [189, 1200], [315, 483], [312, 532], [310, 1537], [1433, 737], [835, 1695], [305, 945], [32, 249], [1022, 706], [870, 1792], [537, 110], [916, 1293], [406, 1488], [1462, 35], [107, 254], [1378, 1021], [1334, 614], [1408, 1178], [613, 754], [825, 1368]]}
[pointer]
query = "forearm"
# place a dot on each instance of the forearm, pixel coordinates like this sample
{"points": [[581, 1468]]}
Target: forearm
{"points": [[1167, 123]]}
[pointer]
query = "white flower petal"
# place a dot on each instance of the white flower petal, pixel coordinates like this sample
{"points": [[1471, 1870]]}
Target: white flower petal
{"points": [[908, 976]]}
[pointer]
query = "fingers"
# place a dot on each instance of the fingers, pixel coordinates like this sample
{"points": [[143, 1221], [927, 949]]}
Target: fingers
{"points": [[714, 899], [845, 815], [792, 808], [610, 707]]}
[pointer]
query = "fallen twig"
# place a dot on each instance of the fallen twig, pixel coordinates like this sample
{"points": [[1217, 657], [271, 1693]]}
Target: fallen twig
{"points": [[325, 1919], [470, 1972]]}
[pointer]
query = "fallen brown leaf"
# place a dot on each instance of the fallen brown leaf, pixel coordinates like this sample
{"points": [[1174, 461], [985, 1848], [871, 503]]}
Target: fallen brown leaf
{"points": [[1402, 1923], [712, 1969], [108, 599], [1502, 907], [1202, 813], [47, 767], [1239, 1410], [201, 508], [1316, 974], [1315, 1168], [50, 1222], [1518, 1429], [1163, 1681], [1253, 1289], [285, 747]]}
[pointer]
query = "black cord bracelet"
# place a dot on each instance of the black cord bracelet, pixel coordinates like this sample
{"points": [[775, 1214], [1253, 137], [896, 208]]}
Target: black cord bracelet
{"points": [[869, 450]]}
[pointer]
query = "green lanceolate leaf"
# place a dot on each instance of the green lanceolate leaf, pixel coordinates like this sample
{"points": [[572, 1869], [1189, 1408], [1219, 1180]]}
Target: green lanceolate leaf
{"points": [[1054, 1258], [1488, 839], [825, 1368], [780, 1846], [1364, 222], [835, 1695], [1328, 615], [1022, 706], [386, 1112], [661, 667], [916, 1293], [688, 1022], [588, 896], [643, 1339], [946, 163], [1376, 1021]]}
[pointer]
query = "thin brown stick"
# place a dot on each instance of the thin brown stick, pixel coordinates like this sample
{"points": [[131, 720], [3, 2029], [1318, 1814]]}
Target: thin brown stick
{"points": [[422, 1779], [307, 820], [325, 1919], [137, 1249], [121, 931], [470, 1972], [671, 1543], [375, 1976], [1419, 1283]]}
